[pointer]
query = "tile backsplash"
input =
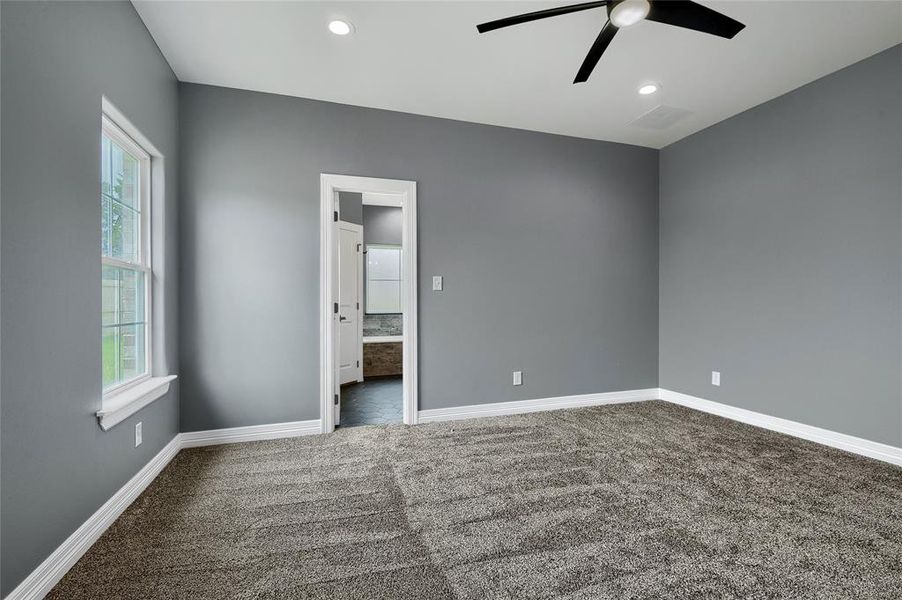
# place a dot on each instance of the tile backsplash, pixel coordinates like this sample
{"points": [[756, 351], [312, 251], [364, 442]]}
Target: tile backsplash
{"points": [[380, 325]]}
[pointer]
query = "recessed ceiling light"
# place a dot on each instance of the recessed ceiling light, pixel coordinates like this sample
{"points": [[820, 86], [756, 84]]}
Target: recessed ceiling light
{"points": [[648, 88], [340, 27], [629, 12]]}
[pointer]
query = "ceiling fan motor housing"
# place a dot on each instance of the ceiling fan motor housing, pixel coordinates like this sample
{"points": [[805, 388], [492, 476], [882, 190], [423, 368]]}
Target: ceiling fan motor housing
{"points": [[624, 13]]}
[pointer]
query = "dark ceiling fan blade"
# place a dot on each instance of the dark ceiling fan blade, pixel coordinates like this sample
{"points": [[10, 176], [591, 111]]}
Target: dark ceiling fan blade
{"points": [[691, 15], [539, 14], [601, 44]]}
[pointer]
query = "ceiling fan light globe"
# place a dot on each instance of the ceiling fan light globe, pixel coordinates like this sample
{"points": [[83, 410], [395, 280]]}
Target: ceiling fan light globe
{"points": [[339, 27], [629, 12]]}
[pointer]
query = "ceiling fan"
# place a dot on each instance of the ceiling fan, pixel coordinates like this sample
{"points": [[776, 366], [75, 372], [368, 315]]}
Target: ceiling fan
{"points": [[623, 13]]}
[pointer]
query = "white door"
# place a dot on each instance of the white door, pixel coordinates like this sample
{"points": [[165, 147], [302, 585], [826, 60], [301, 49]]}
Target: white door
{"points": [[350, 326]]}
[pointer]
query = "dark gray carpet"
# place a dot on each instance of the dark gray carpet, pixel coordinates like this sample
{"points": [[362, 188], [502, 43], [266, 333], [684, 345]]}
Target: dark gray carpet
{"points": [[376, 401], [644, 500]]}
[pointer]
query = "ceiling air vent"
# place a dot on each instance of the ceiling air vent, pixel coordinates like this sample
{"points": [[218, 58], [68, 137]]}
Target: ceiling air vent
{"points": [[661, 117]]}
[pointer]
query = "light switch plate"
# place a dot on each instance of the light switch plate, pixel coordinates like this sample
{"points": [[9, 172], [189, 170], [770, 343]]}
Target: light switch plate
{"points": [[139, 433], [518, 377], [436, 283], [715, 377]]}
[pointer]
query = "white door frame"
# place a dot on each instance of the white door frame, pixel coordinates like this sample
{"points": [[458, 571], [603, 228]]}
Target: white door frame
{"points": [[407, 191]]}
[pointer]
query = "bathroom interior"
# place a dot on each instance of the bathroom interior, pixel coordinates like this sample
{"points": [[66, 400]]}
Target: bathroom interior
{"points": [[372, 394]]}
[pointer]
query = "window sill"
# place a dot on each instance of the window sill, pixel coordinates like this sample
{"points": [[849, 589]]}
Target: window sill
{"points": [[121, 405]]}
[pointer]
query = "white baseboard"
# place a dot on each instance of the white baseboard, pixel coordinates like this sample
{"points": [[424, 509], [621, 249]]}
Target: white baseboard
{"points": [[39, 583], [540, 404], [849, 443], [252, 433], [863, 447]]}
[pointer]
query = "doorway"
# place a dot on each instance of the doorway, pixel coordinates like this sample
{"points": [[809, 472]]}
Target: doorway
{"points": [[368, 322]]}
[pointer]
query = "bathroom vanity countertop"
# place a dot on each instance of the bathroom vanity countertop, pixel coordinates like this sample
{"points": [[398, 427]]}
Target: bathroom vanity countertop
{"points": [[382, 339]]}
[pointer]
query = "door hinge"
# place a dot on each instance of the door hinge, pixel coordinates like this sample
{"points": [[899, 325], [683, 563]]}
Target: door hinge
{"points": [[335, 307], [358, 363], [358, 306], [335, 215], [358, 247], [336, 399]]}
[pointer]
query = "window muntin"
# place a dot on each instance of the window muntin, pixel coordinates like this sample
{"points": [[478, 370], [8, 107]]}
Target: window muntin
{"points": [[125, 257], [383, 279]]}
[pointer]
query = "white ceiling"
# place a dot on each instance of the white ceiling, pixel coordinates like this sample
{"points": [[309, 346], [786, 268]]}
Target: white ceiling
{"points": [[427, 58]]}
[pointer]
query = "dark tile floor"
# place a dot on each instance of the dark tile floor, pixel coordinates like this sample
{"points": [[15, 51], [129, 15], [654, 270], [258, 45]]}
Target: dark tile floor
{"points": [[375, 401]]}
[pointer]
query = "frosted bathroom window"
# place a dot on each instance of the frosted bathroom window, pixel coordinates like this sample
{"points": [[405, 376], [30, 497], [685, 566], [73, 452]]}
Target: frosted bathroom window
{"points": [[383, 279]]}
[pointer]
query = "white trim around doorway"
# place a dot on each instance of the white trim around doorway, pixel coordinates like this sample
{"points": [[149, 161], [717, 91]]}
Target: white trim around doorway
{"points": [[405, 193]]}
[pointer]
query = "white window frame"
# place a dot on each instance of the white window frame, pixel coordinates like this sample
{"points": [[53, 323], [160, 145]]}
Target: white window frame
{"points": [[124, 399], [145, 262], [367, 280]]}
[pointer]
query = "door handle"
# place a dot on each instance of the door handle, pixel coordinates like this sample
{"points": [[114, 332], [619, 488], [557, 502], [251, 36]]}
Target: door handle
{"points": [[342, 318]]}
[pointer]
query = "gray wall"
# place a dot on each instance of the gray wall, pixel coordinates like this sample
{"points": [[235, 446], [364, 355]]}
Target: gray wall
{"points": [[58, 467], [547, 243], [381, 225], [350, 205], [781, 246]]}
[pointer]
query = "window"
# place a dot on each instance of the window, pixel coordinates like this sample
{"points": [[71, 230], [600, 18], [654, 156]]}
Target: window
{"points": [[383, 279], [125, 257]]}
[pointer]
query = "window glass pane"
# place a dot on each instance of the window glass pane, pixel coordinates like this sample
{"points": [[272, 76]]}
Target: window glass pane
{"points": [[122, 296], [109, 295], [124, 320], [131, 351], [123, 176], [106, 178], [106, 219], [383, 297], [383, 263], [119, 201], [110, 356], [131, 296], [124, 233]]}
